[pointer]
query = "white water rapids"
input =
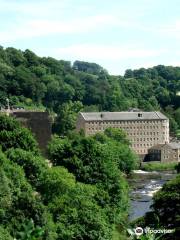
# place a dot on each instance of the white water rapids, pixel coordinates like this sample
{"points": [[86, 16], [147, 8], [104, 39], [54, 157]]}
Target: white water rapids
{"points": [[144, 185]]}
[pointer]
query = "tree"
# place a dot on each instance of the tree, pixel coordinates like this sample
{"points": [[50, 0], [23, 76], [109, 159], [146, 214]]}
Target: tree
{"points": [[91, 68], [91, 163], [117, 134], [12, 135], [73, 206], [4, 234], [67, 115], [177, 116], [33, 165], [18, 201], [166, 208], [15, 57]]}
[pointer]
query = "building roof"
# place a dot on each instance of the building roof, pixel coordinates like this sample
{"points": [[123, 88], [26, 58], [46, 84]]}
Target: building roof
{"points": [[95, 116], [172, 145], [158, 146]]}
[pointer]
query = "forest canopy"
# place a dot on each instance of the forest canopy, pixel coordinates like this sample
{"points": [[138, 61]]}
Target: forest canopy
{"points": [[44, 82]]}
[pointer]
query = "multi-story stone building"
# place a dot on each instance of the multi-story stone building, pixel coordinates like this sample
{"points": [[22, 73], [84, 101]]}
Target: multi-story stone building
{"points": [[169, 152], [144, 129]]}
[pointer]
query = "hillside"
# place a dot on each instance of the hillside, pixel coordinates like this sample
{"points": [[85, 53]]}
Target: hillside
{"points": [[31, 81]]}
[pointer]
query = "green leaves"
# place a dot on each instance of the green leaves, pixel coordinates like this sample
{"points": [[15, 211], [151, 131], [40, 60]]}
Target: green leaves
{"points": [[14, 136], [166, 208], [95, 160], [30, 232]]}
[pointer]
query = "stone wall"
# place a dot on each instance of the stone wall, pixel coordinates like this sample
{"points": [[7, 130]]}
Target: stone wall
{"points": [[39, 123]]}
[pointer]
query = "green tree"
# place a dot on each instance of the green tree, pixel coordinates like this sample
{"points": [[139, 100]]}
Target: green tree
{"points": [[166, 208], [33, 165], [12, 135], [4, 234], [92, 164], [67, 115]]}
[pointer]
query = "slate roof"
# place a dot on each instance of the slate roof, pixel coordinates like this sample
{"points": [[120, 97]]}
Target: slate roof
{"points": [[173, 145], [100, 116]]}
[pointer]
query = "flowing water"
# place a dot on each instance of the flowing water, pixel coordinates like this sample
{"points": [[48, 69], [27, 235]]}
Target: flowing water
{"points": [[143, 186]]}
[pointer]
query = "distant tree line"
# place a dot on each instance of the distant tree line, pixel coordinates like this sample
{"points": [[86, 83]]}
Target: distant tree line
{"points": [[32, 81]]}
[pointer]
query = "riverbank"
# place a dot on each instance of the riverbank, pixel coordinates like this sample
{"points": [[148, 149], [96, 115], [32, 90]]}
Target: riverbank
{"points": [[143, 186], [157, 166]]}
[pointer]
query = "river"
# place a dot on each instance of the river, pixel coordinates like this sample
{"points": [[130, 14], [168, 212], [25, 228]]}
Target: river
{"points": [[143, 186]]}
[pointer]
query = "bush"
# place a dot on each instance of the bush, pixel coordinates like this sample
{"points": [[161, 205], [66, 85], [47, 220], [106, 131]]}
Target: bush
{"points": [[91, 163], [166, 208], [4, 234], [33, 165], [12, 135], [158, 166]]}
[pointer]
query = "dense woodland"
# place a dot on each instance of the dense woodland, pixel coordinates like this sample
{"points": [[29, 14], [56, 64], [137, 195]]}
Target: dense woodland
{"points": [[81, 191], [81, 194], [65, 89]]}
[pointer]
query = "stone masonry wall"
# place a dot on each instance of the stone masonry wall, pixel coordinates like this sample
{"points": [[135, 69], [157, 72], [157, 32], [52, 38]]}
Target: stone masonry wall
{"points": [[39, 123]]}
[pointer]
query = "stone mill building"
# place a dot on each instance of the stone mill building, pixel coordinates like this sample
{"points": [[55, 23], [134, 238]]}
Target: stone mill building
{"points": [[144, 129]]}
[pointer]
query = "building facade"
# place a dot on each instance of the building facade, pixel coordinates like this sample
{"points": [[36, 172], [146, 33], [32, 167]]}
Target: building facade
{"points": [[169, 152], [144, 129]]}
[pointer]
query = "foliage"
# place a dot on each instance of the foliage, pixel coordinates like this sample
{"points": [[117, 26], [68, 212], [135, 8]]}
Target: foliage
{"points": [[67, 116], [158, 166], [32, 165], [31, 81], [12, 135], [91, 68], [84, 194], [30, 232], [177, 167], [4, 234], [73, 206], [97, 161], [166, 206], [42, 202], [144, 236], [18, 201]]}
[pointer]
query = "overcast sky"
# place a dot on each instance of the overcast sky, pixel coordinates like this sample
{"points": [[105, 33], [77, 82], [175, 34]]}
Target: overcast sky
{"points": [[117, 34]]}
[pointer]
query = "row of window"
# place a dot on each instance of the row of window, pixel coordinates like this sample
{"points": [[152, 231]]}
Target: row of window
{"points": [[126, 122], [146, 139], [141, 151], [130, 133], [125, 127], [142, 145]]}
